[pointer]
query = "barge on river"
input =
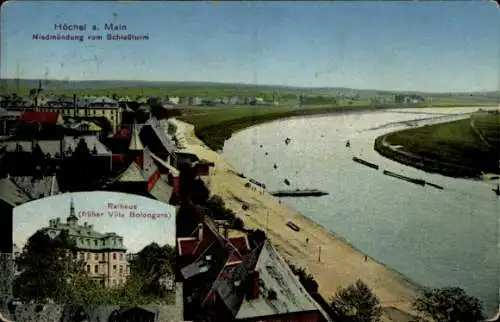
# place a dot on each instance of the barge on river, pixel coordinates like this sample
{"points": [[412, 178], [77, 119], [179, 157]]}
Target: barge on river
{"points": [[366, 163], [405, 178], [299, 193]]}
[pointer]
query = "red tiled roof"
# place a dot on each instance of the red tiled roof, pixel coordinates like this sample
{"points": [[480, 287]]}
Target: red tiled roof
{"points": [[187, 245], [123, 133], [39, 117], [118, 157], [153, 180], [240, 242], [235, 257]]}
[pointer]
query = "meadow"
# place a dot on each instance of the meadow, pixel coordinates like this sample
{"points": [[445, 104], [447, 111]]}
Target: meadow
{"points": [[455, 143]]}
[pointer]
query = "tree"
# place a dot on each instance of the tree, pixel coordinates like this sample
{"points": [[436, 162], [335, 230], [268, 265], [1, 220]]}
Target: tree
{"points": [[306, 279], [356, 303], [48, 266], [149, 265], [33, 93], [450, 304]]}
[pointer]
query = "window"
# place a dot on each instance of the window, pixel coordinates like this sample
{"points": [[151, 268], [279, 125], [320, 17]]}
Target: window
{"points": [[114, 268], [88, 268], [121, 269], [114, 255], [114, 282], [88, 256], [96, 256], [103, 256], [96, 269], [121, 256], [95, 243]]}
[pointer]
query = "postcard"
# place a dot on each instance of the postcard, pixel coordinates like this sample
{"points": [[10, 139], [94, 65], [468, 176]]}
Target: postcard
{"points": [[249, 161]]}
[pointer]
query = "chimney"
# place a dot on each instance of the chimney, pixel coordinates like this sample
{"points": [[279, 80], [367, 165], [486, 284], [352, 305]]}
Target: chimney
{"points": [[200, 231], [253, 289]]}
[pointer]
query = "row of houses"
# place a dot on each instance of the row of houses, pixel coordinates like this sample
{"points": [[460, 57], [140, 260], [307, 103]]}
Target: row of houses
{"points": [[221, 276]]}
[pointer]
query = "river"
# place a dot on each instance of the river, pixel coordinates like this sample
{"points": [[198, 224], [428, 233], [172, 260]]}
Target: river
{"points": [[436, 238]]}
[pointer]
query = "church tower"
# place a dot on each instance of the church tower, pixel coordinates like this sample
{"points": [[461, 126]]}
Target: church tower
{"points": [[72, 219]]}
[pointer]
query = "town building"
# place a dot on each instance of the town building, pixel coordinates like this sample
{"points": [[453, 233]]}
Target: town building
{"points": [[224, 280], [8, 121], [88, 108], [174, 100], [103, 253], [146, 174]]}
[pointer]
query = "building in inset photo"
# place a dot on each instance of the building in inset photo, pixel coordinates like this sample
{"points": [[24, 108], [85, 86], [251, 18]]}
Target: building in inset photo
{"points": [[103, 247], [104, 254]]}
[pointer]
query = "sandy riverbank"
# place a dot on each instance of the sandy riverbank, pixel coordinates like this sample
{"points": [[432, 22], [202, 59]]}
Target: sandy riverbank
{"points": [[336, 264]]}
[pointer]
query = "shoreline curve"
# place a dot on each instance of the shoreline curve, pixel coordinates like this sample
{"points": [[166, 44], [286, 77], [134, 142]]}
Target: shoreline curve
{"points": [[326, 252]]}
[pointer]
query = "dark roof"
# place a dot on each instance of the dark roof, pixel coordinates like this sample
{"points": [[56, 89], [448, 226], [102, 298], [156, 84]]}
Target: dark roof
{"points": [[241, 244], [39, 117], [203, 272], [186, 245], [232, 289], [11, 193], [38, 187]]}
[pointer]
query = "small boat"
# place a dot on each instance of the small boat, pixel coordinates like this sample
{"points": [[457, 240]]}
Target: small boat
{"points": [[299, 193], [275, 166], [366, 163], [286, 182], [348, 144], [287, 141], [293, 226]]}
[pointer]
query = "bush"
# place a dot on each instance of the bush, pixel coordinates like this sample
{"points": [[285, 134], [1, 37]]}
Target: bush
{"points": [[356, 303], [306, 279], [451, 304]]}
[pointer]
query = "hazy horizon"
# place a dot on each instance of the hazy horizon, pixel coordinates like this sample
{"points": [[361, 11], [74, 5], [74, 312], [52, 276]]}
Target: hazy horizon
{"points": [[432, 47], [222, 84]]}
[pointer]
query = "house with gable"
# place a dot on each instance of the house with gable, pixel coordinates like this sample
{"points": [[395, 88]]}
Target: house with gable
{"points": [[225, 280], [146, 173]]}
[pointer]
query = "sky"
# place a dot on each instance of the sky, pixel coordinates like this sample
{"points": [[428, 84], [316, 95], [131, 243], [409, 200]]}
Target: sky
{"points": [[427, 46], [137, 232]]}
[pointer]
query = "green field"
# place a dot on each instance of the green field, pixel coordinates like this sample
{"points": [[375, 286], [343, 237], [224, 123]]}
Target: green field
{"points": [[454, 143]]}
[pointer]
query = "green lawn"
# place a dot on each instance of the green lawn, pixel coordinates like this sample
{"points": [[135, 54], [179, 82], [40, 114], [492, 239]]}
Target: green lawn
{"points": [[454, 142]]}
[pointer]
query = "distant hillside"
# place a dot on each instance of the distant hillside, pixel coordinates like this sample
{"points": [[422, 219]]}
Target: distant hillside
{"points": [[12, 84]]}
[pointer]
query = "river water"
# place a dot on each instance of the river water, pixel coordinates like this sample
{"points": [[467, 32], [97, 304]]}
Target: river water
{"points": [[434, 237]]}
